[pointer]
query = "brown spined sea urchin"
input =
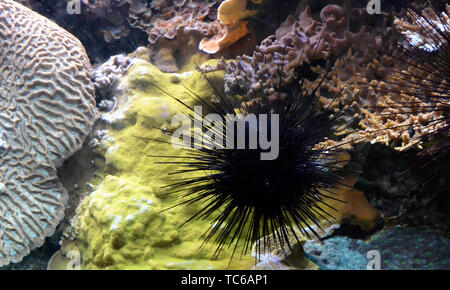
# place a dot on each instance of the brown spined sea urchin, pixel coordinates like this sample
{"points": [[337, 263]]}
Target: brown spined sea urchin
{"points": [[423, 47]]}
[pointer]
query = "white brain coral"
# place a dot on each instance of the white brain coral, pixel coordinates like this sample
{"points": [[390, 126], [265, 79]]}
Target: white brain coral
{"points": [[47, 108]]}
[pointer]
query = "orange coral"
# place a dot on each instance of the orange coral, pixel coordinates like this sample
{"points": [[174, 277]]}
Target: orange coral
{"points": [[232, 11], [353, 207], [233, 34], [382, 97], [229, 14]]}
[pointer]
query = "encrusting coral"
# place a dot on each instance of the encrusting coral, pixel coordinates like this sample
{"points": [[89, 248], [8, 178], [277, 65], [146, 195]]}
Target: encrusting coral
{"points": [[47, 109], [122, 225]]}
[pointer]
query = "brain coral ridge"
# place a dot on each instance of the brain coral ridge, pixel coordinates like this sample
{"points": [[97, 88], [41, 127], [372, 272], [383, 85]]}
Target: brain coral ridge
{"points": [[46, 110]]}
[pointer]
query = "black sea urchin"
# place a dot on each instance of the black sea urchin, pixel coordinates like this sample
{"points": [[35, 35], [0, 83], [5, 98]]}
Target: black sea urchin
{"points": [[252, 196]]}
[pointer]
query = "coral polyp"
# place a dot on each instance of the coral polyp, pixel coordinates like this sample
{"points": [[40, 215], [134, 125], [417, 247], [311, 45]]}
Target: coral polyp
{"points": [[246, 196]]}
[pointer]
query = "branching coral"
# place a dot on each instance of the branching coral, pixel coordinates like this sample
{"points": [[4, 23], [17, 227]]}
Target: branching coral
{"points": [[425, 30], [47, 109], [427, 83], [295, 42], [119, 15], [400, 97], [230, 14]]}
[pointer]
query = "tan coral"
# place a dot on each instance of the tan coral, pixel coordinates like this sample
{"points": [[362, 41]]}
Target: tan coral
{"points": [[47, 108]]}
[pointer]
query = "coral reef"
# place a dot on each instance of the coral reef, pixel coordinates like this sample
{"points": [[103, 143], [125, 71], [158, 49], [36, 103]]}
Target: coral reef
{"points": [[428, 47], [211, 19], [122, 225], [119, 201], [258, 191], [114, 210], [176, 30], [47, 110], [398, 96], [371, 96]]}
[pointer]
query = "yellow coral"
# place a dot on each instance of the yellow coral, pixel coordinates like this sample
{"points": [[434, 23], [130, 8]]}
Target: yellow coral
{"points": [[122, 225]]}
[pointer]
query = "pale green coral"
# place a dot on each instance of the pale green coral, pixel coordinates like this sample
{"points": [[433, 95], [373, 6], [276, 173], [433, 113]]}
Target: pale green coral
{"points": [[121, 225]]}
